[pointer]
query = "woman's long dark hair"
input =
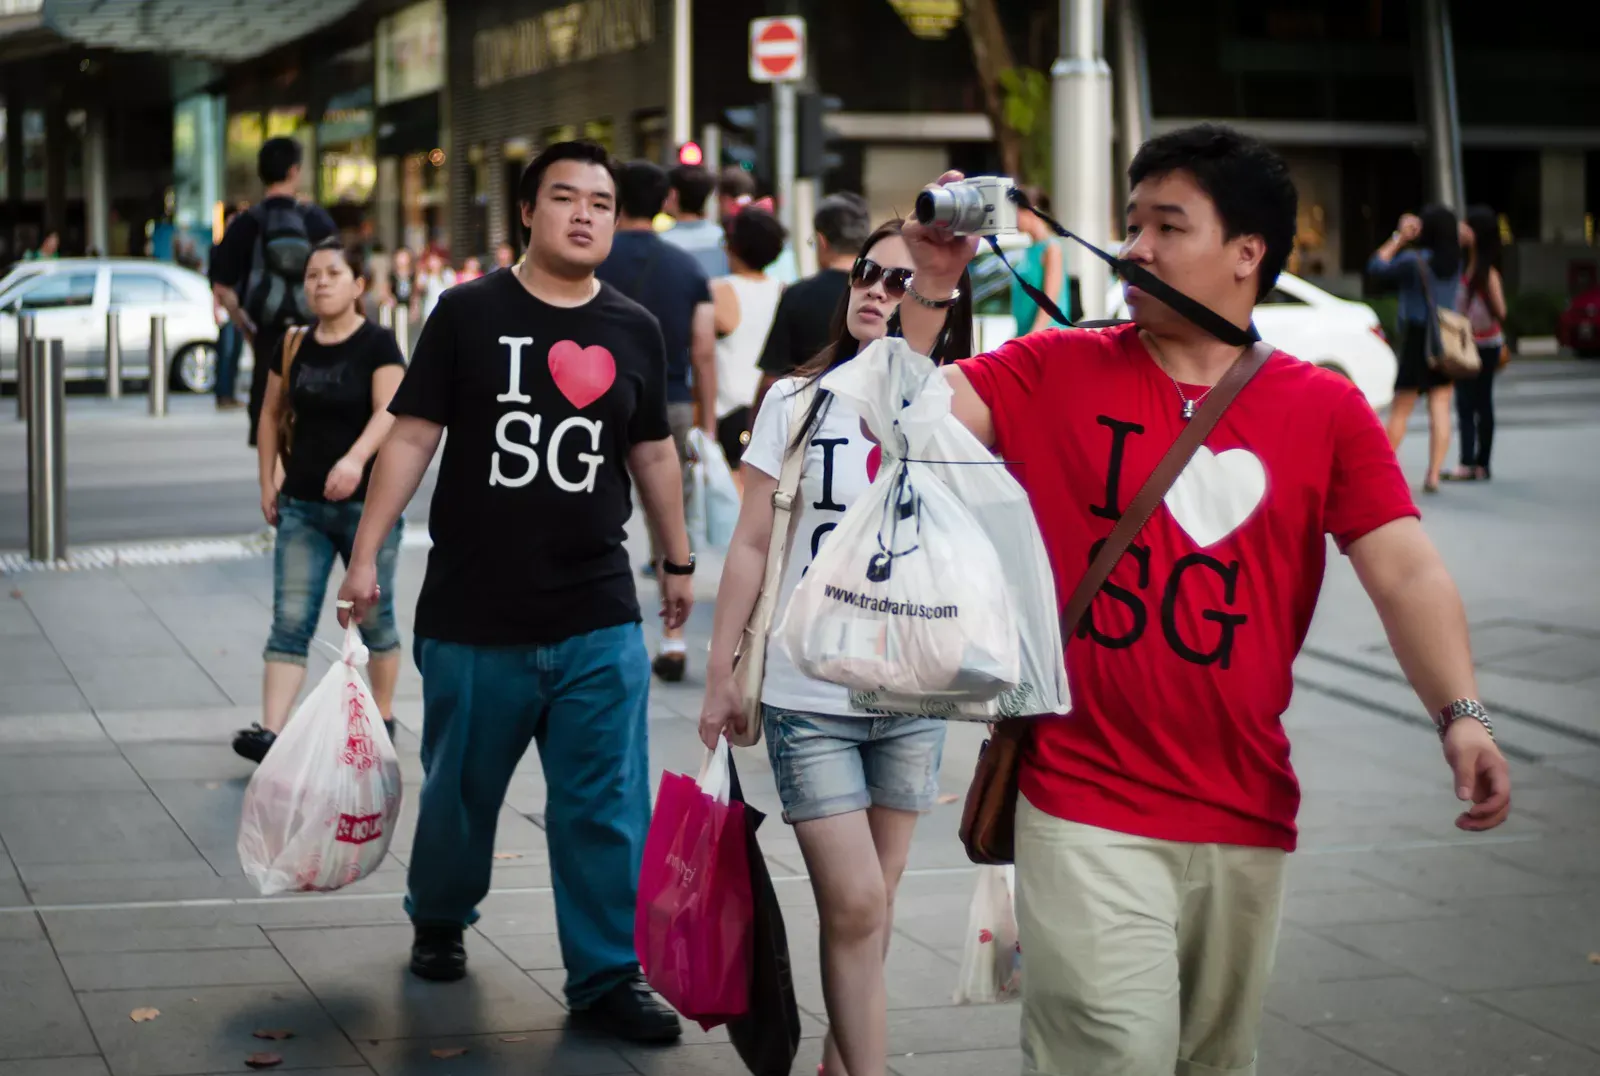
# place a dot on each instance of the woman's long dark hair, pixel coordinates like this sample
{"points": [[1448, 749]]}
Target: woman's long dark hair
{"points": [[955, 341], [1486, 246], [1442, 236]]}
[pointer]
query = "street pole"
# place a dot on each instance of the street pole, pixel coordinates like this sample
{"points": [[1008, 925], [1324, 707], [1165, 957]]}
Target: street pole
{"points": [[47, 494], [1081, 161], [113, 355], [1439, 92], [386, 317], [1132, 75], [682, 73], [25, 329], [402, 329], [711, 143], [785, 132], [805, 209], [158, 365]]}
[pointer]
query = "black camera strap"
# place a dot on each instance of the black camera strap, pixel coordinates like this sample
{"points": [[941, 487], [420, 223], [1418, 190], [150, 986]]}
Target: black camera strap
{"points": [[1135, 274]]}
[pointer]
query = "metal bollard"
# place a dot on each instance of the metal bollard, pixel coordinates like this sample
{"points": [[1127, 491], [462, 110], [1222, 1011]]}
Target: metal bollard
{"points": [[402, 331], [25, 329], [113, 355], [386, 317], [158, 365], [47, 470]]}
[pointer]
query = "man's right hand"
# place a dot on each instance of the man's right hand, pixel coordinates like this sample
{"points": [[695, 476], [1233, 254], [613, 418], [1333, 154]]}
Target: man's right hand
{"points": [[360, 589], [938, 255], [269, 506]]}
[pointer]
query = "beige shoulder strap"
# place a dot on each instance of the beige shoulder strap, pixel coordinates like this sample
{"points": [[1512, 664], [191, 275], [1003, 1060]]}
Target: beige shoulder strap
{"points": [[794, 461]]}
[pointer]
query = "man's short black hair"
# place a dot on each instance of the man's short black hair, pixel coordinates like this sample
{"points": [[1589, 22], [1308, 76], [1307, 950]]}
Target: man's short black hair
{"points": [[694, 186], [580, 150], [1247, 182], [845, 221], [755, 237], [277, 157], [642, 189], [735, 182]]}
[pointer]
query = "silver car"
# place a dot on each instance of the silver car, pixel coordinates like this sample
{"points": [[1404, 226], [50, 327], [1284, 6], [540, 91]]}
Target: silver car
{"points": [[69, 299]]}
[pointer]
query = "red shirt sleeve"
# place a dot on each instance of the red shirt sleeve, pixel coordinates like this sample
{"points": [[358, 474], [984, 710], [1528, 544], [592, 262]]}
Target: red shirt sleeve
{"points": [[1008, 381], [1367, 488]]}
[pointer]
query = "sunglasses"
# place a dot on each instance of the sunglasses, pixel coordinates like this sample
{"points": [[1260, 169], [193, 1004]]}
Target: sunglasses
{"points": [[866, 272]]}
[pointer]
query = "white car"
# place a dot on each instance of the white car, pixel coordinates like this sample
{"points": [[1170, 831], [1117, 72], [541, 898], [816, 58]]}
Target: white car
{"points": [[1320, 328], [69, 299]]}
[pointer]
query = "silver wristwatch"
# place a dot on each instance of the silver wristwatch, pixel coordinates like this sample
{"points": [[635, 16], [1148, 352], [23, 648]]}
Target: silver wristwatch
{"points": [[1458, 709]]}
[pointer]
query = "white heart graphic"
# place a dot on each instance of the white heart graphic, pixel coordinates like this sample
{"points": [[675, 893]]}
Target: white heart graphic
{"points": [[1216, 493]]}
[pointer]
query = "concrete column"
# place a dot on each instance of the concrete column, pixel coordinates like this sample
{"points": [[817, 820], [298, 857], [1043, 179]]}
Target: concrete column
{"points": [[1440, 115], [55, 168], [1081, 167], [1132, 73], [1561, 196], [96, 187]]}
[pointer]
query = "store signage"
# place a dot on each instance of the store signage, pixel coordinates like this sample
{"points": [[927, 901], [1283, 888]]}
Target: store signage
{"points": [[563, 35], [931, 19], [777, 49], [410, 52]]}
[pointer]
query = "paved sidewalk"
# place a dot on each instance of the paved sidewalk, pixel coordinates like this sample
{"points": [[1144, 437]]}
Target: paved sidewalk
{"points": [[1408, 947]]}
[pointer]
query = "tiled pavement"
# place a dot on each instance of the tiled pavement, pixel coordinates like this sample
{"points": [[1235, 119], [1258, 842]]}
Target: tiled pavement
{"points": [[1408, 947]]}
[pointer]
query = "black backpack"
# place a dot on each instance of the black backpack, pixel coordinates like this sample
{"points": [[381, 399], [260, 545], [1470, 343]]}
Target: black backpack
{"points": [[276, 295]]}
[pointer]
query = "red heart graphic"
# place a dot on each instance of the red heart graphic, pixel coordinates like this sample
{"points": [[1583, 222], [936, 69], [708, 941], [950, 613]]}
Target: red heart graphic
{"points": [[985, 937], [874, 458], [583, 374]]}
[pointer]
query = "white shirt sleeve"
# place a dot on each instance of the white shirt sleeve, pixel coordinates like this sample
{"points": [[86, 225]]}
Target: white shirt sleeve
{"points": [[770, 434]]}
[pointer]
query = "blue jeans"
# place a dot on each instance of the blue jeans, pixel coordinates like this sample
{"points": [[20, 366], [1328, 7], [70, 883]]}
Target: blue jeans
{"points": [[230, 344], [827, 765], [583, 701], [310, 535]]}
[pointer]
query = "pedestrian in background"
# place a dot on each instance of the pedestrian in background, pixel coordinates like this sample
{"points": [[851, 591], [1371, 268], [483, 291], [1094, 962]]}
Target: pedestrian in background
{"points": [[1483, 301], [1041, 264], [691, 190], [851, 786], [801, 327], [1152, 823], [666, 280], [1431, 244], [230, 342], [323, 419], [744, 303], [258, 270], [552, 385]]}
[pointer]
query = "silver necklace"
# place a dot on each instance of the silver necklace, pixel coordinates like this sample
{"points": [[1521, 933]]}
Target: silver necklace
{"points": [[1188, 404]]}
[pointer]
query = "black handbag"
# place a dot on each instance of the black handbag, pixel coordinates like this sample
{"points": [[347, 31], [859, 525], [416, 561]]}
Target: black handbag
{"points": [[767, 1036]]}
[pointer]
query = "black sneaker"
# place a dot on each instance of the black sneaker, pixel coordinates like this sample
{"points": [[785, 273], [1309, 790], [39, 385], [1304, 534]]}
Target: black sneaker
{"points": [[671, 665], [438, 953], [630, 1011], [253, 743]]}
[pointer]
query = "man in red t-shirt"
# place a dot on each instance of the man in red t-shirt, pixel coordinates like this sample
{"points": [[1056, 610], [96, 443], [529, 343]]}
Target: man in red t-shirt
{"points": [[1154, 819]]}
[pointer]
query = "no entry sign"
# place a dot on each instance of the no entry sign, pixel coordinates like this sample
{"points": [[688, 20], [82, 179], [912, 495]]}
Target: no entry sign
{"points": [[777, 49]]}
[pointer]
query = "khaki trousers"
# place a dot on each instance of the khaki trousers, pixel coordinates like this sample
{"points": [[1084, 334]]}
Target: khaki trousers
{"points": [[1141, 957]]}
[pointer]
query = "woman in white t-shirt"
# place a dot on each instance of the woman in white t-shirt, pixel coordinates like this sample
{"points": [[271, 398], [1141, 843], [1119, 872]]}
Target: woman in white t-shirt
{"points": [[852, 785], [745, 301]]}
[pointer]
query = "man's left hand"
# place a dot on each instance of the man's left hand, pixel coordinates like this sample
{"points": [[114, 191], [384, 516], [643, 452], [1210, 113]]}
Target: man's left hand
{"points": [[677, 598], [1481, 775]]}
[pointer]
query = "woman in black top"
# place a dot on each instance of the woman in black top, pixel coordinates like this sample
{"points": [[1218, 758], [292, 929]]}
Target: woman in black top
{"points": [[324, 426]]}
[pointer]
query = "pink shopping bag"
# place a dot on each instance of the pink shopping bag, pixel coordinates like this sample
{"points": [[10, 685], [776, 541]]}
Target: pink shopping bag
{"points": [[695, 917]]}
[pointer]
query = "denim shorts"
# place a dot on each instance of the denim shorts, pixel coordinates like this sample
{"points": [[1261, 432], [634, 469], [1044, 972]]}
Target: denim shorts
{"points": [[827, 765], [311, 535]]}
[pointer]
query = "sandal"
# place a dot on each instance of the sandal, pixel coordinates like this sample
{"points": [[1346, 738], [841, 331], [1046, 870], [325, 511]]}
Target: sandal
{"points": [[1460, 474]]}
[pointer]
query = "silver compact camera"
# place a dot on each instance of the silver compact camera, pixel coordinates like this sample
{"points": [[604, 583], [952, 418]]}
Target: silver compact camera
{"points": [[980, 205]]}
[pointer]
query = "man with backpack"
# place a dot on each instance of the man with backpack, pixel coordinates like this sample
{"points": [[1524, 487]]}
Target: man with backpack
{"points": [[258, 270]]}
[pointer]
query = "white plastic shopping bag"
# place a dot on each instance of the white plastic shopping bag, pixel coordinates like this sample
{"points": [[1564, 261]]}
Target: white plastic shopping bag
{"points": [[991, 958], [1001, 508], [321, 808], [713, 497], [906, 595]]}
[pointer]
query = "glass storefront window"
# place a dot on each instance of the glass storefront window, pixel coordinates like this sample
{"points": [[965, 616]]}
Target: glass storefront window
{"points": [[602, 131], [5, 171], [246, 132], [566, 132], [33, 165], [424, 200]]}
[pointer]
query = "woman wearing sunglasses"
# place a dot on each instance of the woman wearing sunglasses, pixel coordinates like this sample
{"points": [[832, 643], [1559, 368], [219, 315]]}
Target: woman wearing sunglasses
{"points": [[852, 786]]}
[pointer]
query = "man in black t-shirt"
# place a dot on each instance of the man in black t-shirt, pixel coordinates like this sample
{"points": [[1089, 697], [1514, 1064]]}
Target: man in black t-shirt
{"points": [[252, 270], [805, 313], [553, 387], [667, 281]]}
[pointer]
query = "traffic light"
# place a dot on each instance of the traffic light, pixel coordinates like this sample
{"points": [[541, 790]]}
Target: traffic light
{"points": [[816, 156], [691, 154], [748, 142]]}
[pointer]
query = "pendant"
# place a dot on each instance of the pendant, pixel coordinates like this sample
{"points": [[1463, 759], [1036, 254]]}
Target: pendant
{"points": [[1188, 410]]}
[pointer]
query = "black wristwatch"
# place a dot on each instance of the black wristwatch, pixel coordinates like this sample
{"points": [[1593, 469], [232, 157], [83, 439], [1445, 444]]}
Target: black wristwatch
{"points": [[678, 569]]}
